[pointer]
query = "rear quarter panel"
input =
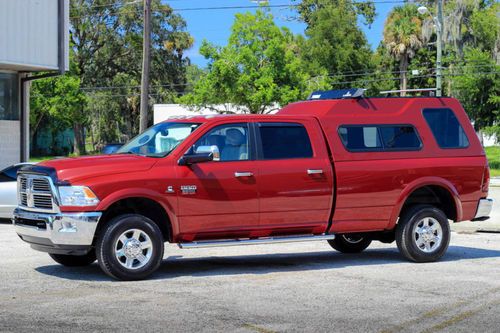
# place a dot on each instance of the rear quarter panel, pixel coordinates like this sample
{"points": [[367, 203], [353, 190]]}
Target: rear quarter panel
{"points": [[372, 186]]}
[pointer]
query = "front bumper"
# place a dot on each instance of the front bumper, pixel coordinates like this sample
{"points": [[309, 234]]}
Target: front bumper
{"points": [[60, 233], [484, 208]]}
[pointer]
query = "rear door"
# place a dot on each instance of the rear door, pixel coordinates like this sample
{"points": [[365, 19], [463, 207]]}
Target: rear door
{"points": [[295, 177]]}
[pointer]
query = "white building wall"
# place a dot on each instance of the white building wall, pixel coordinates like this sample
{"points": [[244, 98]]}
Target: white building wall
{"points": [[163, 111], [29, 34], [10, 149]]}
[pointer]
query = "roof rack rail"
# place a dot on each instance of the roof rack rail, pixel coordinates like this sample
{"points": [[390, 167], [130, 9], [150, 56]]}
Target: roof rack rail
{"points": [[429, 90], [337, 94]]}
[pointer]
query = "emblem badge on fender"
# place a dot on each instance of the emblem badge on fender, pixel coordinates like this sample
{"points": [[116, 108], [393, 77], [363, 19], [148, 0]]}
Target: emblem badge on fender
{"points": [[188, 189]]}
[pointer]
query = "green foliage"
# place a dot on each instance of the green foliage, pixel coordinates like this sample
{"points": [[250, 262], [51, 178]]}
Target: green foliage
{"points": [[334, 42], [403, 37], [60, 100], [259, 68], [477, 86]]}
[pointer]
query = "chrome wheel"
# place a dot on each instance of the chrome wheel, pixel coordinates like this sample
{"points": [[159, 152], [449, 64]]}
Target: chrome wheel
{"points": [[133, 249], [427, 234], [352, 239]]}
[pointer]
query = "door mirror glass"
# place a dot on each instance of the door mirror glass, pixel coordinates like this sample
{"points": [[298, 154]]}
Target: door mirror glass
{"points": [[214, 150]]}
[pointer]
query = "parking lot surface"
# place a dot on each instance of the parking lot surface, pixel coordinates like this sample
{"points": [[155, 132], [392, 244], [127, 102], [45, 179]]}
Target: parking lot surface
{"points": [[302, 287]]}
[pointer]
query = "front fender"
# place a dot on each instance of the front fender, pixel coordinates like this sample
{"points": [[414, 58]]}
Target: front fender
{"points": [[421, 182], [141, 193]]}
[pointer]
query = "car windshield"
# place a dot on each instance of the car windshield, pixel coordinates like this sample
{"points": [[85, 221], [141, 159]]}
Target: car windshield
{"points": [[159, 140]]}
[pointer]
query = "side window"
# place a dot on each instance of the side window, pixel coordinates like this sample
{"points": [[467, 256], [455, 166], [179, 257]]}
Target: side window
{"points": [[446, 129], [284, 141], [399, 137], [230, 140], [359, 138]]}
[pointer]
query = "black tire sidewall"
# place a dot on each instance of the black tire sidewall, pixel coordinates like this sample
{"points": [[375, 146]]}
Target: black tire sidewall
{"points": [[340, 244], [106, 242], [408, 245]]}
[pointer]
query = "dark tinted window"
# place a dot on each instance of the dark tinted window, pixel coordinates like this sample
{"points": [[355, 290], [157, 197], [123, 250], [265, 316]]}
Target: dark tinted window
{"points": [[399, 137], [379, 137], [282, 141], [446, 128]]}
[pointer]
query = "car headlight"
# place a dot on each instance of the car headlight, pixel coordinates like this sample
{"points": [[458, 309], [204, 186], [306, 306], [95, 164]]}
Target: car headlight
{"points": [[77, 196]]}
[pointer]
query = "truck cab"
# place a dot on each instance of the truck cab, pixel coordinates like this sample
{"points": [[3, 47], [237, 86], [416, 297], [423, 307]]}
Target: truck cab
{"points": [[345, 170]]}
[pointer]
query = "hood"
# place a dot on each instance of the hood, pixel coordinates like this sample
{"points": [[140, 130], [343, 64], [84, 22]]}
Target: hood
{"points": [[78, 168]]}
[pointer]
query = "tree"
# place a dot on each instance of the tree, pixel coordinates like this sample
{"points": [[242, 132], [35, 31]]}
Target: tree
{"points": [[61, 99], [334, 42], [106, 40], [259, 68], [477, 86], [403, 37]]}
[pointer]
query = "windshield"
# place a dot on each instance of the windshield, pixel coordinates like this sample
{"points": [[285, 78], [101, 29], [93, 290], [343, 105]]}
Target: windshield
{"points": [[159, 140]]}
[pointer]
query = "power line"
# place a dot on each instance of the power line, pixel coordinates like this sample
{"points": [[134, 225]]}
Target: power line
{"points": [[186, 9]]}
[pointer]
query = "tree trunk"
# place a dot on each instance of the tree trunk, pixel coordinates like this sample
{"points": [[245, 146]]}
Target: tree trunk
{"points": [[403, 69], [79, 141]]}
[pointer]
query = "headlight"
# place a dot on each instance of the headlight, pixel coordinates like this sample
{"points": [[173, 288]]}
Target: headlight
{"points": [[77, 196]]}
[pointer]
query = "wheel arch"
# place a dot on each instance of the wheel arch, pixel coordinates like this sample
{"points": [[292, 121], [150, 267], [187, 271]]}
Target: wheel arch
{"points": [[141, 202], [432, 190]]}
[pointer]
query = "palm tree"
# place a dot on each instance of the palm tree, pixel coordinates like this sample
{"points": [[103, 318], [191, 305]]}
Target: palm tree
{"points": [[403, 37]]}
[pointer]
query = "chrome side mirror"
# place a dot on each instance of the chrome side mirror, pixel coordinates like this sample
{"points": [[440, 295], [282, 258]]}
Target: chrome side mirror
{"points": [[214, 150]]}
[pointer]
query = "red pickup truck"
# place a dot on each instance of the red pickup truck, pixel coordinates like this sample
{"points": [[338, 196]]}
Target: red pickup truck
{"points": [[344, 169]]}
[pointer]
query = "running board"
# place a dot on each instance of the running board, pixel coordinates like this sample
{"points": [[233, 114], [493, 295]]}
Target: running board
{"points": [[257, 241]]}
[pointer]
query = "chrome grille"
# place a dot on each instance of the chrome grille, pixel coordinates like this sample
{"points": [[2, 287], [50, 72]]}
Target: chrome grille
{"points": [[35, 193]]}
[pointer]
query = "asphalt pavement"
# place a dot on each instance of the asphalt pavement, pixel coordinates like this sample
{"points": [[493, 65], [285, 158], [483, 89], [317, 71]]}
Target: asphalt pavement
{"points": [[301, 287]]}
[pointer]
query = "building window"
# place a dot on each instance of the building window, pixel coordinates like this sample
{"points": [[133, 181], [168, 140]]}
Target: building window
{"points": [[359, 138], [9, 97], [446, 128]]}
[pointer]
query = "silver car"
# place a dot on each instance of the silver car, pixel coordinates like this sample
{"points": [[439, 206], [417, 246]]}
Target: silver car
{"points": [[8, 190]]}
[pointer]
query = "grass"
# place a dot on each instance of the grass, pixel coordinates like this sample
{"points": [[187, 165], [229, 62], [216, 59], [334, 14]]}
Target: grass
{"points": [[493, 154]]}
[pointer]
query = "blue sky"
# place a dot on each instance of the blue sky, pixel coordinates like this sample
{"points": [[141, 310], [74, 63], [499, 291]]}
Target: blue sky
{"points": [[214, 25]]}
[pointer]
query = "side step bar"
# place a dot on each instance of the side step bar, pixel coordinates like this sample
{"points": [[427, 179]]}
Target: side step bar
{"points": [[257, 241]]}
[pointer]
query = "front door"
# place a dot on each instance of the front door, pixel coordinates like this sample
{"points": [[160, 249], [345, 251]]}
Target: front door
{"points": [[219, 198]]}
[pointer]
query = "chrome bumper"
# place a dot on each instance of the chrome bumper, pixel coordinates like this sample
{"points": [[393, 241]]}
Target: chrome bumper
{"points": [[484, 208], [60, 229]]}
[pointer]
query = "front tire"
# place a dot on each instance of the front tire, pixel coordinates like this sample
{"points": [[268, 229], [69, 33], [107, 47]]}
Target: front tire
{"points": [[350, 243], [130, 248], [423, 234], [74, 261]]}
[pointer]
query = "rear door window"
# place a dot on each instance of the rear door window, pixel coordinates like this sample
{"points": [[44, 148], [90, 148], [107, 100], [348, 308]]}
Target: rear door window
{"points": [[284, 141], [359, 138], [446, 128]]}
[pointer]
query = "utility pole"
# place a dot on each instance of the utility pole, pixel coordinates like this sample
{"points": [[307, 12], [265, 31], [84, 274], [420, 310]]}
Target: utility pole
{"points": [[146, 59], [439, 49]]}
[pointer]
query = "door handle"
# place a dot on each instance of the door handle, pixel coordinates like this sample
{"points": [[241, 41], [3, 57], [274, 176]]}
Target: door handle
{"points": [[314, 171], [243, 174]]}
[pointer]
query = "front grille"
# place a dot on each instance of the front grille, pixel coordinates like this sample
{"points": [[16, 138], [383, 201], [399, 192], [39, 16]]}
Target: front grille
{"points": [[35, 193]]}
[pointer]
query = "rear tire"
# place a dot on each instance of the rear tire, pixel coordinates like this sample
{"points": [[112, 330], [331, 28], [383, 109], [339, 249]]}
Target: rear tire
{"points": [[74, 261], [423, 233], [350, 243], [130, 248]]}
